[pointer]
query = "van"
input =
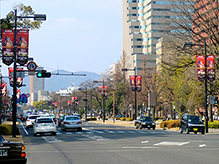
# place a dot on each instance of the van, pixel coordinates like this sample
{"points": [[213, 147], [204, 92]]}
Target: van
{"points": [[191, 123]]}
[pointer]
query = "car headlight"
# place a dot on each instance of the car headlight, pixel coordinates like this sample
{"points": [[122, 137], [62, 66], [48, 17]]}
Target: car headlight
{"points": [[153, 123]]}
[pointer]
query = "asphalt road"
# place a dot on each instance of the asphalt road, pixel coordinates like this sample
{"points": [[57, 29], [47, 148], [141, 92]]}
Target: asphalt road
{"points": [[111, 144]]}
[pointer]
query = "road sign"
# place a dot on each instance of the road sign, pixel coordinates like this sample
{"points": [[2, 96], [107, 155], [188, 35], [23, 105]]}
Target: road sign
{"points": [[31, 66], [211, 100], [18, 74]]}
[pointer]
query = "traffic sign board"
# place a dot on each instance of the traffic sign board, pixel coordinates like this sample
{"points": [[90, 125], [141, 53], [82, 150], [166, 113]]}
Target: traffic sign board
{"points": [[31, 66], [18, 74]]}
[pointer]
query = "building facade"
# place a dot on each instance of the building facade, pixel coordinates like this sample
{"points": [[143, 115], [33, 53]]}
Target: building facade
{"points": [[144, 24]]}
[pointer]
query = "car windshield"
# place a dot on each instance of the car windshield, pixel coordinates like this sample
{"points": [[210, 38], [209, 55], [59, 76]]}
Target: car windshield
{"points": [[45, 120], [194, 119], [146, 119], [72, 118]]}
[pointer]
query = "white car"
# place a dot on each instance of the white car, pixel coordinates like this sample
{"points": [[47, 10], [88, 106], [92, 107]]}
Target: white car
{"points": [[30, 120], [44, 125], [71, 122]]}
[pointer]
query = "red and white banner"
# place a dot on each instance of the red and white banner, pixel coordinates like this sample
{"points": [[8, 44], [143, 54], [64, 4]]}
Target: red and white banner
{"points": [[11, 79], [22, 46], [4, 89], [8, 46], [211, 67], [201, 73], [138, 83], [132, 82]]}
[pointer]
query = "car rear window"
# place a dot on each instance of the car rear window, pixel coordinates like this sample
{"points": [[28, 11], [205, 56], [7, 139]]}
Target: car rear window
{"points": [[33, 117], [72, 118], [45, 120]]}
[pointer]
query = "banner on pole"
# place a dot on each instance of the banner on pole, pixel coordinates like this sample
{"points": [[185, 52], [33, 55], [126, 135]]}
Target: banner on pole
{"points": [[201, 73]]}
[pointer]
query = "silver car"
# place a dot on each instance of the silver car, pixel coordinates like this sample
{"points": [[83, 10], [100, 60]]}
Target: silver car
{"points": [[71, 122], [44, 125]]}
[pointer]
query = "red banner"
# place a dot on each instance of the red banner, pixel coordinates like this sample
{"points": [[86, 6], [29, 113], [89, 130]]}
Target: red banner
{"points": [[11, 79], [22, 46], [18, 93], [138, 83], [211, 67], [8, 46], [200, 60], [4, 89], [132, 82]]}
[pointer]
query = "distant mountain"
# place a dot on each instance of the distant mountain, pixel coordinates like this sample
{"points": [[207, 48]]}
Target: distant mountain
{"points": [[57, 82]]}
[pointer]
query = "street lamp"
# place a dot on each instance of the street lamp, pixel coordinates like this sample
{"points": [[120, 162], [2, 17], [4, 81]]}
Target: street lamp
{"points": [[39, 17], [125, 69], [190, 44], [86, 101], [103, 98]]}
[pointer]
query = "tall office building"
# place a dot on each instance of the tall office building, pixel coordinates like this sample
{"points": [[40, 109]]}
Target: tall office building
{"points": [[143, 25]]}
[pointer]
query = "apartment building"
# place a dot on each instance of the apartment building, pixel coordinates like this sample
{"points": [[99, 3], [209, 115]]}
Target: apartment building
{"points": [[143, 25]]}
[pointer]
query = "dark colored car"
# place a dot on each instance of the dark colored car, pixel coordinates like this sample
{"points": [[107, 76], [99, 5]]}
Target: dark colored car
{"points": [[191, 123], [54, 118], [145, 122], [60, 119], [12, 152]]}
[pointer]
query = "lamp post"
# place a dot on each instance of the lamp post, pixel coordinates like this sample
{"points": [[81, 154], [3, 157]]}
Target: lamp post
{"points": [[190, 44], [86, 102], [125, 69], [103, 98], [40, 17]]}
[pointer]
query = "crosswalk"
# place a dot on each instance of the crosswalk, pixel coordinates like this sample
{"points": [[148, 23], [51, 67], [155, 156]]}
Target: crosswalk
{"points": [[106, 131]]}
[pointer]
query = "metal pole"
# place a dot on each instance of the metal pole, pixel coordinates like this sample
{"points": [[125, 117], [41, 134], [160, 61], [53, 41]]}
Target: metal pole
{"points": [[103, 103], [135, 116], [86, 105], [206, 94], [113, 105], [15, 78]]}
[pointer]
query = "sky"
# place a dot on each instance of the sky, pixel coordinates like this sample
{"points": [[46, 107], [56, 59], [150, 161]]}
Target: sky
{"points": [[77, 35]]}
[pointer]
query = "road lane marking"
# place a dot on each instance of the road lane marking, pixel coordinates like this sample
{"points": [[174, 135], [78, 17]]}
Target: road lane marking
{"points": [[144, 141], [140, 147], [119, 131], [49, 139], [129, 131], [167, 143], [203, 145]]}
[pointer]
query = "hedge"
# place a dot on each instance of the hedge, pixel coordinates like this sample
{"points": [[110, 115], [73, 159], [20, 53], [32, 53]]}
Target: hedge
{"points": [[214, 125], [129, 119], [122, 118], [91, 119], [7, 130], [170, 124]]}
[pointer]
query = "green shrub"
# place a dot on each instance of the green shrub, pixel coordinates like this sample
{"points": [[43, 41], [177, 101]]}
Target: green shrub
{"points": [[164, 124], [173, 124], [129, 119], [214, 125], [7, 130], [122, 118]]}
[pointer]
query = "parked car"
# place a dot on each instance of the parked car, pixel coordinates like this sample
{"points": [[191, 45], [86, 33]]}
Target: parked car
{"points": [[30, 120], [71, 122], [145, 122], [60, 119], [191, 123], [12, 152], [44, 125]]}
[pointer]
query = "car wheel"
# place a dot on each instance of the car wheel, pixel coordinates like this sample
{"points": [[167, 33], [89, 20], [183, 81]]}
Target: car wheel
{"points": [[187, 130], [136, 127], [35, 134], [79, 129], [203, 132], [54, 133], [140, 127], [27, 127], [195, 132], [154, 128], [149, 128]]}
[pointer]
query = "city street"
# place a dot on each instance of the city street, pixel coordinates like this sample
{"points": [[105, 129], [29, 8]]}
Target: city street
{"points": [[102, 143]]}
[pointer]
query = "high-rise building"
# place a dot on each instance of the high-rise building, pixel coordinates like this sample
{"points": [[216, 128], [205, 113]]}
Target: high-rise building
{"points": [[143, 24]]}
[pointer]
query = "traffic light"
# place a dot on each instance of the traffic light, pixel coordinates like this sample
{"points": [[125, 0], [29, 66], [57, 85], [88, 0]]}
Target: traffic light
{"points": [[216, 100], [43, 74]]}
